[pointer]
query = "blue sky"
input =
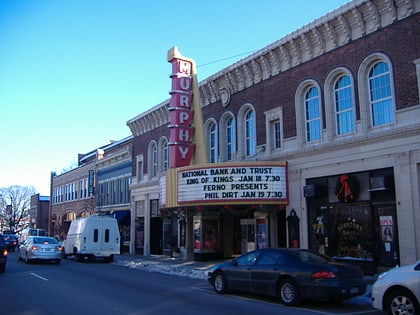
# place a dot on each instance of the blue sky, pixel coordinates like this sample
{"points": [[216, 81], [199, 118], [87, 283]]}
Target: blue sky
{"points": [[72, 73]]}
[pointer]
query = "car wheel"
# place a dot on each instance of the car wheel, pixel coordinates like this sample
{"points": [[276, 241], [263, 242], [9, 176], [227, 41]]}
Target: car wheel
{"points": [[19, 257], [289, 293], [219, 282], [109, 259], [401, 301], [2, 268], [76, 255], [63, 254]]}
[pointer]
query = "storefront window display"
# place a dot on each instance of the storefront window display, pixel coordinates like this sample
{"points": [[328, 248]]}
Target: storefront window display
{"points": [[352, 237], [351, 219]]}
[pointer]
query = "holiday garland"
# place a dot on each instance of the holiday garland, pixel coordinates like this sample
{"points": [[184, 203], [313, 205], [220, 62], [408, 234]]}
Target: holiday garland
{"points": [[347, 188]]}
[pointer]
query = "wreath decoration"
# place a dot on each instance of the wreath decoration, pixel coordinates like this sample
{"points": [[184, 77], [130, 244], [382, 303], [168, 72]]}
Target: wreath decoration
{"points": [[347, 188]]}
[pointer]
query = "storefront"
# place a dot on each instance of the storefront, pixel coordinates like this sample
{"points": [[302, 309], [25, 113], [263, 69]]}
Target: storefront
{"points": [[352, 217], [223, 210]]}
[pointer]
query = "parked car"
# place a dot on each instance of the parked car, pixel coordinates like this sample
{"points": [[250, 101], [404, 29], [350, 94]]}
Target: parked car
{"points": [[11, 241], [40, 248], [293, 275], [397, 291], [3, 255]]}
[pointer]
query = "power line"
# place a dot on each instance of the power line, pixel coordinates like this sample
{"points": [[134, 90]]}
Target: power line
{"points": [[224, 59]]}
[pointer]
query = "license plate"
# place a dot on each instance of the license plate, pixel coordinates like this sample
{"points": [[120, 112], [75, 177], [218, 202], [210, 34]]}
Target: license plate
{"points": [[47, 249], [354, 290]]}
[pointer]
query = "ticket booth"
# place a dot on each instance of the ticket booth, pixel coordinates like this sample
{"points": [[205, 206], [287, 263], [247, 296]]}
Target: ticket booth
{"points": [[206, 237], [254, 233], [262, 232]]}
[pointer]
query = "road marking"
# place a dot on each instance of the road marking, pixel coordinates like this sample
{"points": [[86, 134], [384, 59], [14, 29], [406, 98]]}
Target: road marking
{"points": [[38, 276]]}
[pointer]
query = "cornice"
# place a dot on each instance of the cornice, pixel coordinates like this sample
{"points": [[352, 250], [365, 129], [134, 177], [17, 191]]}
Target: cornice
{"points": [[331, 31], [337, 28]]}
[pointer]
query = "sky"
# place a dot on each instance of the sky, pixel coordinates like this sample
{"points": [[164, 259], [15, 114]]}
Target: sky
{"points": [[72, 73]]}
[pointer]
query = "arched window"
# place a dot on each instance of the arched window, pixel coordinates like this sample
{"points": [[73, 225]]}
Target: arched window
{"points": [[250, 134], [344, 108], [381, 102], [164, 154], [312, 115], [153, 160], [211, 141], [227, 137], [230, 139]]}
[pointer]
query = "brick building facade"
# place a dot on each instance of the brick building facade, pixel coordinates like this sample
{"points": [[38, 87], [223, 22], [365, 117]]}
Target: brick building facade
{"points": [[337, 100]]}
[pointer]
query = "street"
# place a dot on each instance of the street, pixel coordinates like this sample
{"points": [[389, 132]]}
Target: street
{"points": [[101, 288]]}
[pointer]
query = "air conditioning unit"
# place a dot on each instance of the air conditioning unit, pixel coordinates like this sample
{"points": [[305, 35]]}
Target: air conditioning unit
{"points": [[380, 183], [309, 191]]}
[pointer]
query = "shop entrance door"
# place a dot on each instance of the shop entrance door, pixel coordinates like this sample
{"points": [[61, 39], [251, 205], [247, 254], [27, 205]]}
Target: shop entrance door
{"points": [[156, 231], [247, 235], [388, 247]]}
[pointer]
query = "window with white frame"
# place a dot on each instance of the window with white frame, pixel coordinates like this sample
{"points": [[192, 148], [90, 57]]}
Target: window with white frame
{"points": [[312, 115], [230, 138], [380, 94], [153, 160], [250, 132], [276, 134], [164, 154], [212, 142], [274, 128], [344, 105]]}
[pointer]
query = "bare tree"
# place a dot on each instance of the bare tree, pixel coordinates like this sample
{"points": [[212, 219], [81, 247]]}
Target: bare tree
{"points": [[15, 203]]}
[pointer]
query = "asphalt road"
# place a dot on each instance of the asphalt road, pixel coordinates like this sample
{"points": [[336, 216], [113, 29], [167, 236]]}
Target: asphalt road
{"points": [[101, 288]]}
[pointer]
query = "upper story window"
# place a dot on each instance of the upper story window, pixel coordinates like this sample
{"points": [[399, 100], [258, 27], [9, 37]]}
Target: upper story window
{"points": [[227, 137], [250, 133], [212, 142], [276, 134], [274, 128], [312, 115], [153, 160], [230, 138], [344, 108], [164, 154], [381, 101]]}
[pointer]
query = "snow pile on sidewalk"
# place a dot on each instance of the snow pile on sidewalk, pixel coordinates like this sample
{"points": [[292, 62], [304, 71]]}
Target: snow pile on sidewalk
{"points": [[182, 269]]}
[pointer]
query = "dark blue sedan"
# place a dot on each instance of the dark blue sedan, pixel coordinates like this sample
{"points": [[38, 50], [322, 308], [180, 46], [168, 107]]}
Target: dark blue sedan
{"points": [[292, 275]]}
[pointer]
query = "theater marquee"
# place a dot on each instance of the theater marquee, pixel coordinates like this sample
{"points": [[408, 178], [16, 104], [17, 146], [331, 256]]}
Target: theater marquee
{"points": [[231, 183]]}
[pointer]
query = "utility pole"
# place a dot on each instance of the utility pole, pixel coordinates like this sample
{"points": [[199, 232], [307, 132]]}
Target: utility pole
{"points": [[9, 212]]}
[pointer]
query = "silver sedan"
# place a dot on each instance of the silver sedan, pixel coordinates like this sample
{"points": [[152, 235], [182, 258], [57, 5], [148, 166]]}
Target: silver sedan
{"points": [[40, 248], [397, 291]]}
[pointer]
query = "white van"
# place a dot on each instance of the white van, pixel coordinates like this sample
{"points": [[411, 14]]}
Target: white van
{"points": [[95, 236], [31, 232]]}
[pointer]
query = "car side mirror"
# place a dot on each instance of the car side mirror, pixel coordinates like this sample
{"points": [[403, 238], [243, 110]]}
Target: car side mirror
{"points": [[234, 262]]}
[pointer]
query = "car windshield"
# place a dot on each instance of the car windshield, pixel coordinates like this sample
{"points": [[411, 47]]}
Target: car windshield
{"points": [[43, 240]]}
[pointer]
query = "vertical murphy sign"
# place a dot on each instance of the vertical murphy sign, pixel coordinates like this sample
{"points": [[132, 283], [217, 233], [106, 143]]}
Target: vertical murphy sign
{"points": [[181, 146], [186, 132]]}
